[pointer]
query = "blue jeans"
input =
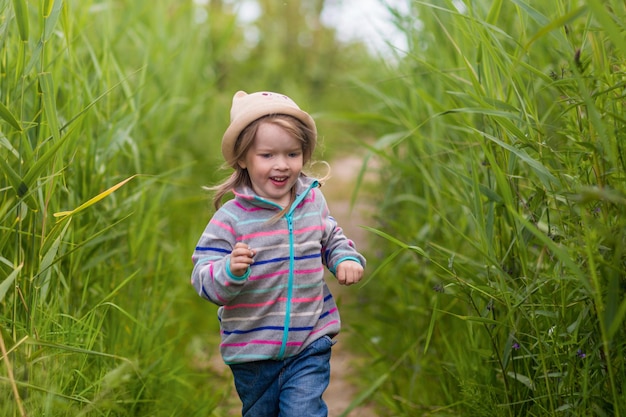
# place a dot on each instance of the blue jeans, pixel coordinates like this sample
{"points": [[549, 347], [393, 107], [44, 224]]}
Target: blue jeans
{"points": [[289, 388]]}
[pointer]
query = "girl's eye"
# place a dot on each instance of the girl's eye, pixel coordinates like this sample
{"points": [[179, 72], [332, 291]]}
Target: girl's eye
{"points": [[294, 154], [266, 155]]}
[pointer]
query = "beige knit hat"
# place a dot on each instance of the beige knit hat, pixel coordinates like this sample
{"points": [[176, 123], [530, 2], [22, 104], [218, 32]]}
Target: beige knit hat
{"points": [[247, 108]]}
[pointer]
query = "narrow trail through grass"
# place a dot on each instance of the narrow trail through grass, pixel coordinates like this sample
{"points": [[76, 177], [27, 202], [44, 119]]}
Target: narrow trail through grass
{"points": [[344, 362]]}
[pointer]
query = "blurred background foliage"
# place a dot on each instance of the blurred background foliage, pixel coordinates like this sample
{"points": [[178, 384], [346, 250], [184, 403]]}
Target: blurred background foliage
{"points": [[496, 268]]}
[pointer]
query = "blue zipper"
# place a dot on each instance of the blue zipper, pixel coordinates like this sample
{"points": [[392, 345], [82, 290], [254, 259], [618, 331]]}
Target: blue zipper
{"points": [[283, 346], [292, 262]]}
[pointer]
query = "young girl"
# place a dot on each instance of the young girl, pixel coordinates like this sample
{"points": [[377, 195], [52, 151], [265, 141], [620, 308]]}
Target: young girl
{"points": [[261, 259]]}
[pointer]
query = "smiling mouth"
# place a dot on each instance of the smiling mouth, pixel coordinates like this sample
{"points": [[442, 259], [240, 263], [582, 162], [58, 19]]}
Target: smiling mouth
{"points": [[279, 179]]}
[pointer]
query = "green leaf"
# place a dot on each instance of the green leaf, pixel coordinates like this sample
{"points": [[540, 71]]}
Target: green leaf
{"points": [[43, 163], [560, 253], [94, 200], [52, 10], [431, 325], [47, 261], [396, 241], [47, 90], [47, 7], [542, 172], [523, 379], [13, 177], [551, 27], [8, 282], [20, 187], [21, 17], [8, 117], [476, 319], [608, 23]]}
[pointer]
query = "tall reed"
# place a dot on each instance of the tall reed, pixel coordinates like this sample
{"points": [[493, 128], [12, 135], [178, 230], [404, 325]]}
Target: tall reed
{"points": [[502, 217], [94, 105]]}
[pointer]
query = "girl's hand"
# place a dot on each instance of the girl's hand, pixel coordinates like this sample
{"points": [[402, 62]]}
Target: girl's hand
{"points": [[349, 272], [240, 259]]}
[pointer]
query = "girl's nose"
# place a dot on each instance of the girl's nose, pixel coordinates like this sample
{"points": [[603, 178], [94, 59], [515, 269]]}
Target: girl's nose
{"points": [[281, 163]]}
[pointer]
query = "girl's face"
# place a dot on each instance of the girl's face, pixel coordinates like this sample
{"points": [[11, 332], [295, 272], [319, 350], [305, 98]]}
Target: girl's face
{"points": [[274, 163]]}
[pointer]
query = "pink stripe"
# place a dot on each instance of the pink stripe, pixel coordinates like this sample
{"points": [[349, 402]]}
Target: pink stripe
{"points": [[223, 226], [306, 229], [269, 303], [310, 198], [259, 342], [329, 324], [308, 271], [285, 272], [261, 234], [240, 206], [256, 342], [280, 232], [306, 300], [332, 310], [244, 196], [264, 276], [266, 342]]}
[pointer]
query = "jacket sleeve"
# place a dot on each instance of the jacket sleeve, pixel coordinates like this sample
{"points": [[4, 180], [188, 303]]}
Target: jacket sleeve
{"points": [[211, 275], [336, 247]]}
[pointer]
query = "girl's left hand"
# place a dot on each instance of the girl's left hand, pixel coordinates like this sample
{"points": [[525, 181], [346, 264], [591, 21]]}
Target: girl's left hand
{"points": [[349, 272]]}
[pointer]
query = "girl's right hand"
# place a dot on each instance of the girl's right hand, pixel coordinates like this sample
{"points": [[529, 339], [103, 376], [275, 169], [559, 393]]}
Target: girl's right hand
{"points": [[240, 259]]}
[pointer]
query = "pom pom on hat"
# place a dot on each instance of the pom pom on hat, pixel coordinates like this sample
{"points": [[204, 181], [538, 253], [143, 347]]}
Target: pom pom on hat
{"points": [[247, 108]]}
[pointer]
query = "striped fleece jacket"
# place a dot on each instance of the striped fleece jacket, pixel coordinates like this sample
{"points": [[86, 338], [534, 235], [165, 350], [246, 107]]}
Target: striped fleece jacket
{"points": [[283, 304]]}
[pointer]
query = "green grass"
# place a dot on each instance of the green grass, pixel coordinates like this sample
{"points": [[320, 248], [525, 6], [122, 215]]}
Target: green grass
{"points": [[495, 283], [100, 122], [500, 290]]}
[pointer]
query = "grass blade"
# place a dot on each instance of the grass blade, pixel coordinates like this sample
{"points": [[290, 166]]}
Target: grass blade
{"points": [[21, 16], [8, 282], [63, 214], [47, 90], [8, 117]]}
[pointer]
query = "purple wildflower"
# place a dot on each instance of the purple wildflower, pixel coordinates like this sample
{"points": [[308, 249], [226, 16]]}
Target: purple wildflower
{"points": [[515, 346], [581, 354]]}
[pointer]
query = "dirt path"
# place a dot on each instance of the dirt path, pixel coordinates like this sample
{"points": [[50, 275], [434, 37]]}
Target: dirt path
{"points": [[344, 364]]}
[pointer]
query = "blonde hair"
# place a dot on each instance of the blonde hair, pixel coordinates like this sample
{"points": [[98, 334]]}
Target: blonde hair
{"points": [[240, 176]]}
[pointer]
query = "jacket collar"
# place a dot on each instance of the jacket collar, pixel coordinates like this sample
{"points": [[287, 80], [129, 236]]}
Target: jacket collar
{"points": [[303, 186]]}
